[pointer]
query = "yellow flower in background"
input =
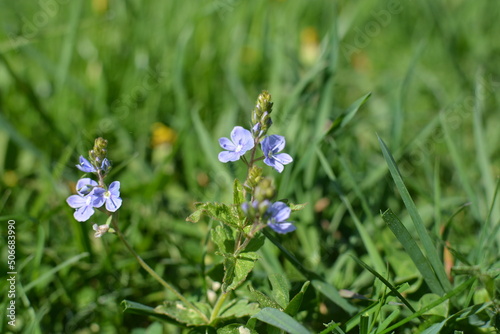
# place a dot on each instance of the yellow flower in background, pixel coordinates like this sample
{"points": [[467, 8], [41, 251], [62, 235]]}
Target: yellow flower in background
{"points": [[309, 46], [99, 6], [162, 134]]}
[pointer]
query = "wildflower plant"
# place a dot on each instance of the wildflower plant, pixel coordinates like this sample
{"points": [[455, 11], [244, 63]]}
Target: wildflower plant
{"points": [[238, 237]]}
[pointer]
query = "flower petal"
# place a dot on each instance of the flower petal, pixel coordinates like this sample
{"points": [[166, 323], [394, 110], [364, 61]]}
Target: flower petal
{"points": [[114, 188], [83, 213], [97, 201], [85, 165], [226, 144], [283, 158], [113, 203], [85, 185], [275, 143], [283, 227], [280, 211], [76, 201], [226, 156]]}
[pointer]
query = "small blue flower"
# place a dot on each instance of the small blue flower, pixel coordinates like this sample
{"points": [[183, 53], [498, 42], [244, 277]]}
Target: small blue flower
{"points": [[86, 200], [277, 215], [85, 186], [112, 197], [106, 165], [271, 146], [85, 166], [241, 141]]}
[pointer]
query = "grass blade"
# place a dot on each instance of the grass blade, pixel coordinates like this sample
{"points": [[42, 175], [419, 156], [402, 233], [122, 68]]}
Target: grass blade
{"points": [[411, 247], [462, 287], [428, 245], [281, 320]]}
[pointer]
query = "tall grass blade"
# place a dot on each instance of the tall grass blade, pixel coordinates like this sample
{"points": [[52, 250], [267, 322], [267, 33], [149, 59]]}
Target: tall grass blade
{"points": [[427, 243]]}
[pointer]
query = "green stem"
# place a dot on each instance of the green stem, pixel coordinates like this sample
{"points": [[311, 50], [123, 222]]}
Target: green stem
{"points": [[151, 271], [218, 306]]}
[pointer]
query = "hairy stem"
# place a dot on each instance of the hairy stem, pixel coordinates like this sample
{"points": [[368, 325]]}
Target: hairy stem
{"points": [[218, 306]]}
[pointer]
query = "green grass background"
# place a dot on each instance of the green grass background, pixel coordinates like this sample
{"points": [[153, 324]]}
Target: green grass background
{"points": [[74, 70]]}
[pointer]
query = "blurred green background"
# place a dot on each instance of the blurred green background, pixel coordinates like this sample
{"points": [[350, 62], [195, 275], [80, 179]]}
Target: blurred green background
{"points": [[163, 80]]}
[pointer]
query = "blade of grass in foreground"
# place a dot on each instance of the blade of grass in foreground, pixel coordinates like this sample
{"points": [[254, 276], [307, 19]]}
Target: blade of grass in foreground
{"points": [[462, 287], [386, 282], [411, 247], [429, 247]]}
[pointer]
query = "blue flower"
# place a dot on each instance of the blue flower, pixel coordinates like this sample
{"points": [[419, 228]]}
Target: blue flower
{"points": [[85, 166], [89, 197], [241, 141], [112, 197], [85, 186], [271, 146], [277, 215]]}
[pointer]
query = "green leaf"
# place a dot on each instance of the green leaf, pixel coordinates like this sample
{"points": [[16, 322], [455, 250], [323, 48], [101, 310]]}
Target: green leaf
{"points": [[263, 299], [238, 309], [294, 305], [413, 251], [435, 328], [195, 216], [144, 310], [440, 310], [236, 329], [218, 211], [428, 245], [280, 288], [223, 237], [255, 244], [297, 207], [280, 320], [332, 293], [237, 269], [182, 314]]}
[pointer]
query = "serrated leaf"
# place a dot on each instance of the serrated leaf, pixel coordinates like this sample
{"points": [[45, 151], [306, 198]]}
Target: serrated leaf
{"points": [[236, 329], [217, 211], [223, 237], [280, 320], [195, 216], [256, 243], [263, 299], [239, 309], [280, 288], [178, 311], [293, 307], [237, 269]]}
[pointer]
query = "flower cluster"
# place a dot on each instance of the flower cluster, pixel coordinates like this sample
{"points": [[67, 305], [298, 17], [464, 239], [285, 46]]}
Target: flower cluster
{"points": [[92, 194], [274, 215], [243, 141]]}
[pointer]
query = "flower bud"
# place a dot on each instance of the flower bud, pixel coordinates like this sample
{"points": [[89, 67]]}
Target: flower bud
{"points": [[264, 190], [254, 176], [261, 119]]}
